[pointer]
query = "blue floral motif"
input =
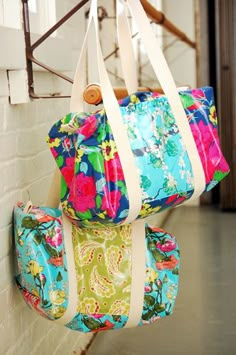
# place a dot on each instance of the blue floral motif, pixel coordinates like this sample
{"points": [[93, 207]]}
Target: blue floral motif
{"points": [[93, 189], [43, 271]]}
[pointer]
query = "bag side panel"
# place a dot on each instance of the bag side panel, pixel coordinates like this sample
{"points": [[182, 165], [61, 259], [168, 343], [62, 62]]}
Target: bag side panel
{"points": [[41, 260]]}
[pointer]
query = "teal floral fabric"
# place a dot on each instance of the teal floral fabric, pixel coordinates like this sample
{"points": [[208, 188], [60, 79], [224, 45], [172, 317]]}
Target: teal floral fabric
{"points": [[160, 288], [43, 273], [41, 260], [94, 192]]}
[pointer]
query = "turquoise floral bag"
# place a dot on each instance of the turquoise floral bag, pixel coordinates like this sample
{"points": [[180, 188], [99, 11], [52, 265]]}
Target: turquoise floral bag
{"points": [[93, 279], [94, 189], [139, 156]]}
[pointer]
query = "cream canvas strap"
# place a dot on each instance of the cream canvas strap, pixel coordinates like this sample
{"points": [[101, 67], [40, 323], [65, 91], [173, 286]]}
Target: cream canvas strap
{"points": [[163, 74], [120, 135], [53, 198], [71, 310], [126, 49], [114, 116], [138, 228], [138, 272]]}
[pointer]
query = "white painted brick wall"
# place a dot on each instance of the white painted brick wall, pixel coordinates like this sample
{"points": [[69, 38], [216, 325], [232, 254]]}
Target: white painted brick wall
{"points": [[26, 171], [4, 90]]}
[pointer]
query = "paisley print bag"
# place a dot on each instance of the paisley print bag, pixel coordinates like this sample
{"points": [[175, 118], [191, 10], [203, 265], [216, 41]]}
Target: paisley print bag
{"points": [[137, 157], [94, 279]]}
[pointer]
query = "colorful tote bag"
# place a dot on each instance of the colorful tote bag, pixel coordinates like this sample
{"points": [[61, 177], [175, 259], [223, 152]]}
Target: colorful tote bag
{"points": [[141, 155], [93, 279]]}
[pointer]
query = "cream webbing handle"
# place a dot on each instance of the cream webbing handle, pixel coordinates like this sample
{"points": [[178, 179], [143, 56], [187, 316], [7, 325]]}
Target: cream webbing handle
{"points": [[166, 80], [138, 228], [138, 273], [77, 101], [53, 198], [114, 116], [126, 49]]}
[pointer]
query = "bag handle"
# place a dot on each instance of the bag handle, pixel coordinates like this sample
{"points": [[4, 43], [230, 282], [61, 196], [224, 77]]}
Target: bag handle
{"points": [[167, 83], [126, 52], [162, 72], [113, 113], [126, 48]]}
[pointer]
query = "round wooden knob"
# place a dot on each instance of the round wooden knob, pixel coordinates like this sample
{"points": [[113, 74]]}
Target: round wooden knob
{"points": [[92, 94]]}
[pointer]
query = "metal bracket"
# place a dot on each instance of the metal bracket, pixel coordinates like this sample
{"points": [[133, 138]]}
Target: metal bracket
{"points": [[156, 16], [29, 49]]}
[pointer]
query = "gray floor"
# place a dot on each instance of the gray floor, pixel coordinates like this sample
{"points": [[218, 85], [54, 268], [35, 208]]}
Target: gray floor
{"points": [[204, 321]]}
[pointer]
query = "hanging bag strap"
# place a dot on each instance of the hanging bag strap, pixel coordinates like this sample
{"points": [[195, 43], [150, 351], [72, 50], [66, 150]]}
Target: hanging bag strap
{"points": [[138, 227], [77, 100], [114, 116], [166, 81], [126, 49], [162, 72]]}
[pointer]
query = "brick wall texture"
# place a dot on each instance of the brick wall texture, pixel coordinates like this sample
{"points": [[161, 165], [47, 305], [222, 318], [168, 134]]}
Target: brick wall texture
{"points": [[26, 171]]}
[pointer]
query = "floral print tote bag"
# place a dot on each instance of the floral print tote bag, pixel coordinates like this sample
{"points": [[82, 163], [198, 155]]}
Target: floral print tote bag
{"points": [[139, 156], [94, 279]]}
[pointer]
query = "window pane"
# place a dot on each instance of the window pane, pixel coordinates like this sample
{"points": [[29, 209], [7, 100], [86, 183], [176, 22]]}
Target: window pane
{"points": [[32, 6]]}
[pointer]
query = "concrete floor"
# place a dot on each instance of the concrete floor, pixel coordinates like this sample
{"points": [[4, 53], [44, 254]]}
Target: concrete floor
{"points": [[204, 321]]}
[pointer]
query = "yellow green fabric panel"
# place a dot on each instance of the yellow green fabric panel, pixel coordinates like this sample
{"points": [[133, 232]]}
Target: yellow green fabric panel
{"points": [[103, 267]]}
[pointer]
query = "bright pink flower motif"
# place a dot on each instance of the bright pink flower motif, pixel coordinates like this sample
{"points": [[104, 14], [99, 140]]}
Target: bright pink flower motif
{"points": [[97, 315], [58, 261], [207, 142], [44, 219], [167, 246], [175, 199], [89, 127], [111, 202], [42, 279], [198, 93], [56, 240], [106, 326], [180, 200], [223, 166], [168, 264], [68, 170], [202, 136], [211, 165], [159, 283], [156, 94], [83, 192], [54, 152], [113, 169], [67, 143], [147, 289]]}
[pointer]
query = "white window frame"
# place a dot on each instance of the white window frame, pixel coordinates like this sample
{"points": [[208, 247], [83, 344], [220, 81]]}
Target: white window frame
{"points": [[54, 52]]}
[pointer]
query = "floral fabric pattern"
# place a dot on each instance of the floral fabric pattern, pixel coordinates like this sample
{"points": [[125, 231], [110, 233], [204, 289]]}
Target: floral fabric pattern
{"points": [[104, 298], [93, 191], [41, 260], [103, 262]]}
